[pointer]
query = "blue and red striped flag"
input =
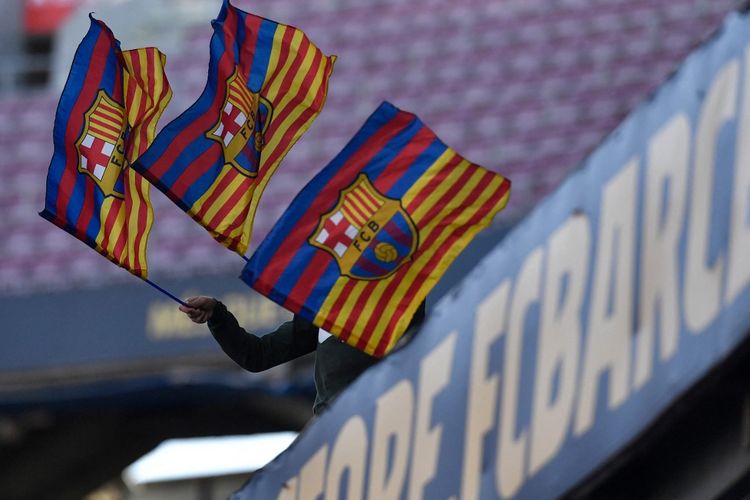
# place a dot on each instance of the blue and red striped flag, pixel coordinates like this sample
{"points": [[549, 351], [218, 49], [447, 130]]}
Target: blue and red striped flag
{"points": [[267, 82], [106, 117], [365, 241]]}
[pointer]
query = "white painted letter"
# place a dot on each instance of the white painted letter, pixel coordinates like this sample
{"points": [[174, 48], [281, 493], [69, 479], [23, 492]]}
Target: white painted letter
{"points": [[348, 452], [511, 460], [738, 272], [608, 336], [489, 324], [434, 374], [702, 280], [668, 155], [393, 417], [560, 332], [288, 490], [312, 475]]}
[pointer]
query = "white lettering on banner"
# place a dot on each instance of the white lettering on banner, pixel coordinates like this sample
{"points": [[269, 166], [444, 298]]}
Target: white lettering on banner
{"points": [[576, 354], [608, 341], [489, 325], [560, 333], [288, 490], [348, 454], [738, 272], [434, 374], [393, 421], [702, 280], [663, 217], [511, 458], [312, 475]]}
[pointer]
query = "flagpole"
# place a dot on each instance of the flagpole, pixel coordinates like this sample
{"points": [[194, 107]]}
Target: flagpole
{"points": [[165, 292]]}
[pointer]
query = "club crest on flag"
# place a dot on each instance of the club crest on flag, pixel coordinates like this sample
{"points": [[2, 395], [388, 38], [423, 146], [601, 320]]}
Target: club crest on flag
{"points": [[242, 124], [101, 151], [369, 234]]}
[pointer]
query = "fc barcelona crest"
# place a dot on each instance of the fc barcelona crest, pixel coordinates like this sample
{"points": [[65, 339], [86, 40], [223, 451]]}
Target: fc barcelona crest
{"points": [[242, 124], [369, 234], [101, 150]]}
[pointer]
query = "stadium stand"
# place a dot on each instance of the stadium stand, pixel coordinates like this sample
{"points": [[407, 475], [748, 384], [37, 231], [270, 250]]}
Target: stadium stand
{"points": [[525, 88]]}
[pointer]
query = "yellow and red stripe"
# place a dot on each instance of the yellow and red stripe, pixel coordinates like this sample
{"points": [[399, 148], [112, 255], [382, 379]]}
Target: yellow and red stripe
{"points": [[225, 203], [106, 123], [282, 68], [296, 84], [239, 95], [452, 212], [126, 224], [445, 200], [360, 204]]}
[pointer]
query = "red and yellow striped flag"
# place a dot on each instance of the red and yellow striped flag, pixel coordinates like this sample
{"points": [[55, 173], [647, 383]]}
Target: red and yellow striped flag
{"points": [[365, 241], [267, 82], [106, 118]]}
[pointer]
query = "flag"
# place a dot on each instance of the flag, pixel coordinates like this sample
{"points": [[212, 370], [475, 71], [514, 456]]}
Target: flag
{"points": [[267, 82], [365, 241], [106, 117]]}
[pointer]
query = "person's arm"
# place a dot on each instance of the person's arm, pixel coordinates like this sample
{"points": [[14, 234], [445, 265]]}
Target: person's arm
{"points": [[291, 340]]}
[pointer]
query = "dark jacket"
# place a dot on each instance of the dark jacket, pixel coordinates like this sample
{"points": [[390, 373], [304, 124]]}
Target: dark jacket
{"points": [[336, 365]]}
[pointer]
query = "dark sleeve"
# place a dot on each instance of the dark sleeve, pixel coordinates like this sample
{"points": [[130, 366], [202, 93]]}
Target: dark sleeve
{"points": [[289, 341]]}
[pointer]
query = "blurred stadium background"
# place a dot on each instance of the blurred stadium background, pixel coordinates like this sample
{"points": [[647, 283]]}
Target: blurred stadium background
{"points": [[96, 369]]}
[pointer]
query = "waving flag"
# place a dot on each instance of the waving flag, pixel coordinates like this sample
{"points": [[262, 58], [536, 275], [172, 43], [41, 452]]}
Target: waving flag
{"points": [[366, 240], [106, 117], [266, 84]]}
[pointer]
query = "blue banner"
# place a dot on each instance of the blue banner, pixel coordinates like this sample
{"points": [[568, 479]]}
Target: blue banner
{"points": [[128, 328], [604, 306]]}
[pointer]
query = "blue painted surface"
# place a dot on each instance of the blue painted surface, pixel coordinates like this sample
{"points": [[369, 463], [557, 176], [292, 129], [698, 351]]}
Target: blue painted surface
{"points": [[339, 450]]}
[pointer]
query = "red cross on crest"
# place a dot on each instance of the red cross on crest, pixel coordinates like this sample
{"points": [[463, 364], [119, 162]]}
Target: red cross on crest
{"points": [[101, 145], [95, 155], [368, 234], [337, 233], [232, 120], [235, 127]]}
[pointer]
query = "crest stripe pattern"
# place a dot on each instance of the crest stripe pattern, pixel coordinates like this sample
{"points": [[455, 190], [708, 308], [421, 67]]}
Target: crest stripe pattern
{"points": [[106, 117], [414, 203], [267, 82]]}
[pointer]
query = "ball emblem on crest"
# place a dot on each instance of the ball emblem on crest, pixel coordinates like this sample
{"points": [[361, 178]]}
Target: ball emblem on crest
{"points": [[385, 252]]}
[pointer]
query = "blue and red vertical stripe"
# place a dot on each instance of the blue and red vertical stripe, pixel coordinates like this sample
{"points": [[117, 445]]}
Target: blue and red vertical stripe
{"points": [[182, 162], [73, 201], [286, 267]]}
